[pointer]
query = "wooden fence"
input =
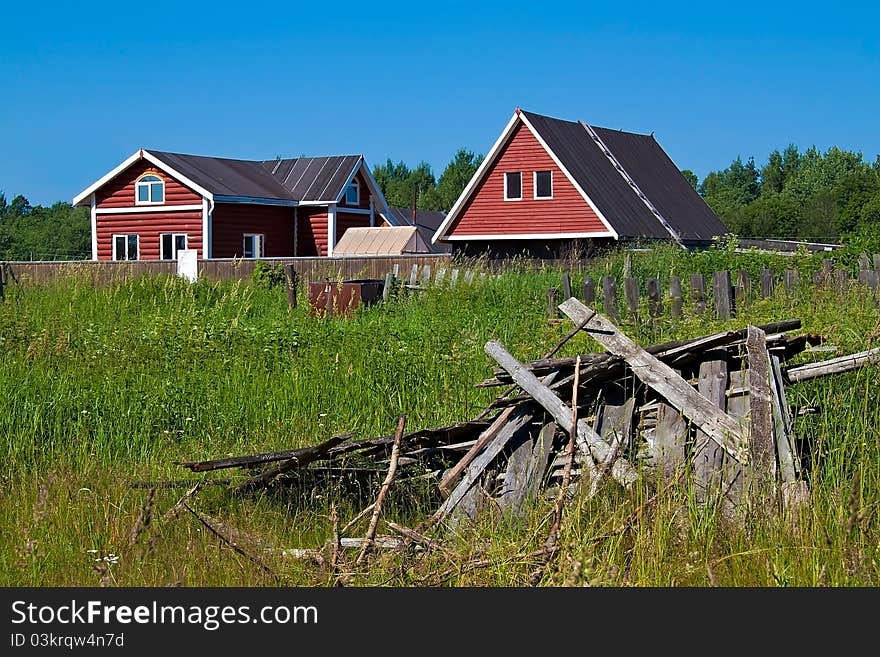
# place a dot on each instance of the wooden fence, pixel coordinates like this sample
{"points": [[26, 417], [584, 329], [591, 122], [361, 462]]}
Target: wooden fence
{"points": [[307, 269], [723, 293]]}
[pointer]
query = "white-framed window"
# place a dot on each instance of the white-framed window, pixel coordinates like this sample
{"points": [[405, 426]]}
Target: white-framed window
{"points": [[170, 244], [149, 190], [253, 245], [126, 247], [513, 186], [353, 193], [543, 181]]}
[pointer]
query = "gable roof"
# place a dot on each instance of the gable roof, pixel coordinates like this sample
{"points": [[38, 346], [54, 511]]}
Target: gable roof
{"points": [[293, 181], [627, 178], [427, 222], [381, 241]]}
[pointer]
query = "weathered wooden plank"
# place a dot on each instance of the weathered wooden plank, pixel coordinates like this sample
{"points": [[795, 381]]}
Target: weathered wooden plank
{"points": [[414, 276], [675, 296], [469, 277], [389, 283], [441, 276], [698, 293], [616, 421], [655, 300], [877, 262], [737, 407], [864, 262], [300, 461], [452, 475], [631, 295], [518, 421], [609, 297], [538, 462], [250, 460], [721, 291], [833, 366], [426, 275], [719, 426], [670, 437], [767, 283], [791, 279], [513, 489], [708, 455], [785, 447], [762, 444], [743, 288], [589, 290], [587, 439], [453, 278]]}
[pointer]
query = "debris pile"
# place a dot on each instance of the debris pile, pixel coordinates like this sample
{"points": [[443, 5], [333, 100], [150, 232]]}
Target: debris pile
{"points": [[713, 409]]}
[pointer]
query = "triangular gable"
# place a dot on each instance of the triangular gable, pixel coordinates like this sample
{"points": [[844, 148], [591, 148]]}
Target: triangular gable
{"points": [[487, 165]]}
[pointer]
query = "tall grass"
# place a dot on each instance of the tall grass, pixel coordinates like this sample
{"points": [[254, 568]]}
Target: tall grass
{"points": [[105, 386]]}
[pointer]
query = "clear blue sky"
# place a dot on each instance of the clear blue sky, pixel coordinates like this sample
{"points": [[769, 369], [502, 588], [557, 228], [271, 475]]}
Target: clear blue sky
{"points": [[85, 85]]}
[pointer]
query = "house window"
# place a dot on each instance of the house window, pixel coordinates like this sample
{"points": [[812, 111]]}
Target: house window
{"points": [[253, 246], [125, 247], [149, 189], [170, 244], [353, 193], [543, 184], [513, 186]]}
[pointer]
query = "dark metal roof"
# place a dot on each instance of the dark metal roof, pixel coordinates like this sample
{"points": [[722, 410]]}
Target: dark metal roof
{"points": [[313, 178], [298, 179], [647, 165]]}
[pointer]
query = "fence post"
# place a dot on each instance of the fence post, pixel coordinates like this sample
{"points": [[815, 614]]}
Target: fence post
{"points": [[453, 279], [655, 300], [767, 283], [386, 290], [721, 289], [827, 271], [877, 262], [791, 281], [864, 262], [566, 286], [441, 274], [631, 295], [841, 280], [426, 275], [698, 293], [589, 291], [743, 287], [414, 276], [609, 297], [552, 310], [675, 296], [292, 286]]}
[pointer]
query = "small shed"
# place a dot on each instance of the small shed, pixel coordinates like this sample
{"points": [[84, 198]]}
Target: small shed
{"points": [[391, 240]]}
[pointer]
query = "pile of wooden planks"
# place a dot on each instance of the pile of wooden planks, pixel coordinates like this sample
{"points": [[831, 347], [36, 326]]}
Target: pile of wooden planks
{"points": [[712, 411]]}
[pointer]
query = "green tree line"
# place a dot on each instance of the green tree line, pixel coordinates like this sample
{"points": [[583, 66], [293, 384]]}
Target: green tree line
{"points": [[56, 232], [810, 196]]}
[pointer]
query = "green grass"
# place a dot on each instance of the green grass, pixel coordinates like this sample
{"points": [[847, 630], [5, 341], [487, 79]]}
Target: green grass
{"points": [[105, 386]]}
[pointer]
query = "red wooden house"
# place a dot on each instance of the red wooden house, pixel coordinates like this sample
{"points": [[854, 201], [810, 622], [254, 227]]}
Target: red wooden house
{"points": [[156, 203], [547, 183]]}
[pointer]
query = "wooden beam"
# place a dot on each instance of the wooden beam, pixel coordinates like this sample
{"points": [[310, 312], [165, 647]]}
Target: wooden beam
{"points": [[723, 429], [833, 366], [484, 439], [708, 455], [761, 442]]}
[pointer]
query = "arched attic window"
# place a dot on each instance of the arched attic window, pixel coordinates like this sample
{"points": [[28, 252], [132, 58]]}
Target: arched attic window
{"points": [[149, 189]]}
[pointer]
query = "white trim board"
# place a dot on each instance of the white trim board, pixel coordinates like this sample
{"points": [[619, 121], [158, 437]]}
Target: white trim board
{"points": [[528, 236], [138, 209], [93, 220]]}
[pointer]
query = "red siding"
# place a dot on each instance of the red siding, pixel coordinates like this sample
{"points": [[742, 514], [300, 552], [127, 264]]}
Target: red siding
{"points": [[148, 226], [230, 221], [345, 221], [364, 193], [119, 192], [311, 237], [487, 213]]}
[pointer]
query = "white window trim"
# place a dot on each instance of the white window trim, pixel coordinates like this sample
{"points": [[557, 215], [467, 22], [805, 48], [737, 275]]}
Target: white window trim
{"points": [[535, 186], [126, 236], [520, 197], [138, 185], [262, 244], [174, 237], [357, 187]]}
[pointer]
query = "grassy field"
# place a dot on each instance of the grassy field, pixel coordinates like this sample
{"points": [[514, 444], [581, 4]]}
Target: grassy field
{"points": [[105, 387]]}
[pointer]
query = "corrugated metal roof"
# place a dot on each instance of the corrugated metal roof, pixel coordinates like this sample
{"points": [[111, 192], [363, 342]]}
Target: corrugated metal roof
{"points": [[381, 241], [646, 164], [301, 179]]}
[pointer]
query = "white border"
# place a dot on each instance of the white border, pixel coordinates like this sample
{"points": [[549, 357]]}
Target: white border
{"points": [[138, 183], [94, 222], [262, 245], [520, 197], [525, 236], [535, 186], [151, 208], [173, 235], [331, 229], [113, 246]]}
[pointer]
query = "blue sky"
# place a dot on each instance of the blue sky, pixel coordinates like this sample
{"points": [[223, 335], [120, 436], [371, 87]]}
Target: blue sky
{"points": [[82, 88]]}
